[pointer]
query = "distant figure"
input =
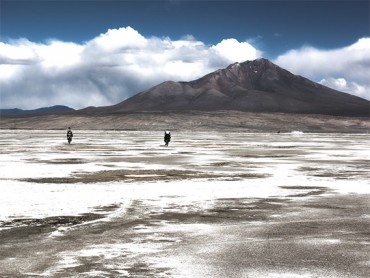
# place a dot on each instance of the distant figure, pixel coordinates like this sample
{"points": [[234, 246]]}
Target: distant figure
{"points": [[69, 135], [167, 137]]}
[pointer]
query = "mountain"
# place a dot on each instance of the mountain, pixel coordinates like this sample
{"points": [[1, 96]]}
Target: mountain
{"points": [[252, 86], [45, 110]]}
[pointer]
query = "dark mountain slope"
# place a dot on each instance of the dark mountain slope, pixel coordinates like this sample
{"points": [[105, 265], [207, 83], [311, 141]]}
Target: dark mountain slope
{"points": [[254, 86]]}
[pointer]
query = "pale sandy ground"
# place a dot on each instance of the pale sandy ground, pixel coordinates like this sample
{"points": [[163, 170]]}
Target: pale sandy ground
{"points": [[212, 204], [193, 120]]}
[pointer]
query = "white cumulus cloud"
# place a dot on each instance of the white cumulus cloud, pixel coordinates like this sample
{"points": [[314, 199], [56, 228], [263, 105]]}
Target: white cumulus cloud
{"points": [[346, 69], [343, 85], [107, 69], [121, 62], [234, 51], [116, 39]]}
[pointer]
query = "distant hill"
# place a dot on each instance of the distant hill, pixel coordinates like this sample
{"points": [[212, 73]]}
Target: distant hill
{"points": [[45, 110], [251, 86]]}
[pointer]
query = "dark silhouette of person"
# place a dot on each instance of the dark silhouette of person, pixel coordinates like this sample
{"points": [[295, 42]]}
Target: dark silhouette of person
{"points": [[167, 137], [69, 135]]}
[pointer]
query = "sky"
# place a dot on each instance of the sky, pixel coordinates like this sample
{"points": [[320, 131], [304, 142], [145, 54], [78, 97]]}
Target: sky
{"points": [[94, 53]]}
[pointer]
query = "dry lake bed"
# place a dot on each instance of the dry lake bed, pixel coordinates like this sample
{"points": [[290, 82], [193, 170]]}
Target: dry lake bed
{"points": [[212, 204]]}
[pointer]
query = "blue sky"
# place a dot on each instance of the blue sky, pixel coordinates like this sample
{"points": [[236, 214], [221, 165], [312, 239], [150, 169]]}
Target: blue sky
{"points": [[180, 40]]}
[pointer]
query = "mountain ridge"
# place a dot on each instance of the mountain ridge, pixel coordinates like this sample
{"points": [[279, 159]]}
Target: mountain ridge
{"points": [[43, 110], [251, 86], [257, 86]]}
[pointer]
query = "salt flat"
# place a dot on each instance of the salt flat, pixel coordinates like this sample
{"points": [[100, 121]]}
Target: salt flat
{"points": [[212, 204]]}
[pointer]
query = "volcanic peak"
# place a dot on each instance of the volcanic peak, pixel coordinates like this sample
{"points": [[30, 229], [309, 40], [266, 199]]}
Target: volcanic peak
{"points": [[255, 86]]}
